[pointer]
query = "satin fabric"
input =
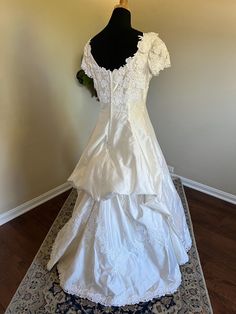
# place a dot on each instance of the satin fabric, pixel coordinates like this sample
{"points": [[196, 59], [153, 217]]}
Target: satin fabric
{"points": [[131, 161], [128, 233]]}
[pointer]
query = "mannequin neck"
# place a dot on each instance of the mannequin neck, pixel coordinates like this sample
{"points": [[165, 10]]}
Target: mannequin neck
{"points": [[120, 19]]}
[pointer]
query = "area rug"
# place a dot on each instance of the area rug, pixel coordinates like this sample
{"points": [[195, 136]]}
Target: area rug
{"points": [[39, 291]]}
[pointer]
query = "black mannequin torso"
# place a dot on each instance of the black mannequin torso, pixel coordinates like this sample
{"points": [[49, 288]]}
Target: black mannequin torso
{"points": [[116, 42]]}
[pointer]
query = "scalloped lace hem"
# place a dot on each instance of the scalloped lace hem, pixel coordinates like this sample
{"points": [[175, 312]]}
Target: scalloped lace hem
{"points": [[187, 247], [186, 260], [107, 301]]}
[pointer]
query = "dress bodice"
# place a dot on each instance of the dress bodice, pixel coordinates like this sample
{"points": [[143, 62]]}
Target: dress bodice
{"points": [[122, 154], [129, 83]]}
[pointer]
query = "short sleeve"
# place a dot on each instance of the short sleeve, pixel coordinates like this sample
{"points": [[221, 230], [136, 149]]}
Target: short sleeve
{"points": [[158, 56], [85, 63]]}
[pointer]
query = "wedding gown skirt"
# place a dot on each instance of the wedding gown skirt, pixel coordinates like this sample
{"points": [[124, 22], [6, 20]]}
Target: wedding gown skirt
{"points": [[124, 250], [125, 246], [127, 234]]}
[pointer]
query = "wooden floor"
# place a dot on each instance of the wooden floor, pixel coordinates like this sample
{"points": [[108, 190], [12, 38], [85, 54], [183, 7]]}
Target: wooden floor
{"points": [[214, 223]]}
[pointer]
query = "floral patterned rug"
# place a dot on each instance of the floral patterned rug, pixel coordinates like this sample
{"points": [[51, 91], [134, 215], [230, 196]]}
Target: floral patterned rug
{"points": [[40, 292]]}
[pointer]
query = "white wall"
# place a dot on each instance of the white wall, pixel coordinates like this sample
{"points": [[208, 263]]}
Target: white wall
{"points": [[46, 116]]}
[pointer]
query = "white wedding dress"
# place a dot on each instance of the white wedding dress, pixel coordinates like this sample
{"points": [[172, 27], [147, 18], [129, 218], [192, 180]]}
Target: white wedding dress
{"points": [[128, 234]]}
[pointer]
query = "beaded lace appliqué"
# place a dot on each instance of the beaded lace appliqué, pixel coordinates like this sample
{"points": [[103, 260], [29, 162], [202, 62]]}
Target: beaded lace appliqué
{"points": [[95, 229], [130, 81]]}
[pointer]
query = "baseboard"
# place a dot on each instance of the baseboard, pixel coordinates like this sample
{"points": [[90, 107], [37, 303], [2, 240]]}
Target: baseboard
{"points": [[21, 209], [231, 198], [25, 207]]}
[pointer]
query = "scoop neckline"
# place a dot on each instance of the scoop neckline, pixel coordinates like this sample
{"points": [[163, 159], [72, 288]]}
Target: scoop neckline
{"points": [[127, 60]]}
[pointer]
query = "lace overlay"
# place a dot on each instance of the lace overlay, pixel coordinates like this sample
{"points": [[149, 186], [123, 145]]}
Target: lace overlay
{"points": [[158, 52], [142, 236], [130, 81], [121, 233]]}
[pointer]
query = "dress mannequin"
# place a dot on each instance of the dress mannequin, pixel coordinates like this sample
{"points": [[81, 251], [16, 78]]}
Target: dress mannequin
{"points": [[117, 41], [123, 4], [127, 234]]}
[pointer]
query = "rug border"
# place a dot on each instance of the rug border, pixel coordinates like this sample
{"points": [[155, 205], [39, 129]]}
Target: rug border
{"points": [[194, 241], [64, 204]]}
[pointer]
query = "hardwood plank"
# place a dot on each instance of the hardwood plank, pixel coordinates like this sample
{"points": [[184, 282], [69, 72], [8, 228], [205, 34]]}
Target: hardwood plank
{"points": [[214, 224], [20, 240]]}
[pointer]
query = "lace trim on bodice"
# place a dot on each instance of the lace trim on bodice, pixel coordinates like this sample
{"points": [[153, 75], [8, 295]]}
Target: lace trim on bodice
{"points": [[127, 60], [129, 83], [148, 42]]}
